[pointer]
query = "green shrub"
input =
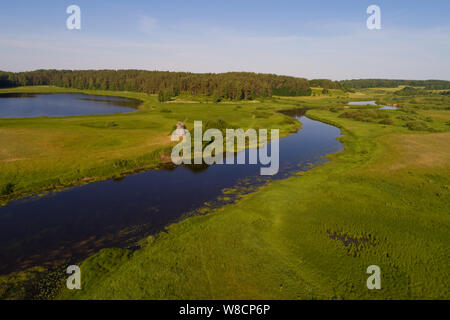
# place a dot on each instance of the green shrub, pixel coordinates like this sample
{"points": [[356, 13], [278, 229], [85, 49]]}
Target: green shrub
{"points": [[410, 91], [418, 126], [165, 95], [386, 121], [8, 188], [406, 118], [365, 115]]}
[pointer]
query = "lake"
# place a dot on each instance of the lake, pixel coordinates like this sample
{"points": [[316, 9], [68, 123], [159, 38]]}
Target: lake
{"points": [[65, 227], [26, 105]]}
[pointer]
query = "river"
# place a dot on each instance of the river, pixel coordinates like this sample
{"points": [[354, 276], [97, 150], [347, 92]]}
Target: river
{"points": [[65, 227]]}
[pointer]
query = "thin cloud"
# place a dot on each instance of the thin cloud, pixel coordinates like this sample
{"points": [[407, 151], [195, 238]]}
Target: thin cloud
{"points": [[355, 53], [147, 24]]}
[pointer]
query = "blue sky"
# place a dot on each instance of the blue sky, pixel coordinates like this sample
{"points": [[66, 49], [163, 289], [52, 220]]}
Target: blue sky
{"points": [[313, 39]]}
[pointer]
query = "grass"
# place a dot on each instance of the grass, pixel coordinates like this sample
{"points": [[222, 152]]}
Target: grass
{"points": [[382, 201], [41, 154], [366, 115]]}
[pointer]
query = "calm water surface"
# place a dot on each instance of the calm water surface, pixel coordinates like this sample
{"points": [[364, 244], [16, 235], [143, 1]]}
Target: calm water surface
{"points": [[67, 226], [25, 105], [371, 103]]}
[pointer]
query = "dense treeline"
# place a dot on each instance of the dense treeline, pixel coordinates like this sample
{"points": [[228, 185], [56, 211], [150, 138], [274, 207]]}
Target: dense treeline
{"points": [[233, 85], [386, 83], [326, 84], [411, 91]]}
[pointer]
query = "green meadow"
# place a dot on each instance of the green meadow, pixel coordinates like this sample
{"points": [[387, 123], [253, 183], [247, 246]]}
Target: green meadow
{"points": [[42, 154], [383, 200]]}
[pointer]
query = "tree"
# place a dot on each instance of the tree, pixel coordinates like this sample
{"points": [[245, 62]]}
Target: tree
{"points": [[164, 95], [231, 85]]}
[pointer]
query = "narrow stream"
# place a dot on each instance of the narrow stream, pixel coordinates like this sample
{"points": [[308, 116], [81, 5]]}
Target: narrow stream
{"points": [[68, 226], [371, 103]]}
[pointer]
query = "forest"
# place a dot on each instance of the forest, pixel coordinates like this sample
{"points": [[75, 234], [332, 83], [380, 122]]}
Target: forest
{"points": [[387, 83], [232, 85], [326, 84], [219, 86]]}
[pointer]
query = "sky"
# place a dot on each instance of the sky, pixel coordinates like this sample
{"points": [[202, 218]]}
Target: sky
{"points": [[303, 38]]}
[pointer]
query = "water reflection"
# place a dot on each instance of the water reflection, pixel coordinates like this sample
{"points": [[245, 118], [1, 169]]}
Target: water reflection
{"points": [[68, 226], [26, 105]]}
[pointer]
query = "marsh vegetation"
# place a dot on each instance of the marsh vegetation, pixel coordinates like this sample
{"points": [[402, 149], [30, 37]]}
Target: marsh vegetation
{"points": [[382, 200]]}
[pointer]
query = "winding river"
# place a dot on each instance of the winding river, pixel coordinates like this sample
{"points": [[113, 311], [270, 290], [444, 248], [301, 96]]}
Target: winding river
{"points": [[65, 227]]}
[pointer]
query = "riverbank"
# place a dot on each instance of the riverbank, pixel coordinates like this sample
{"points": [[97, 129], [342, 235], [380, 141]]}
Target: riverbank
{"points": [[117, 213], [50, 154], [381, 201], [311, 236]]}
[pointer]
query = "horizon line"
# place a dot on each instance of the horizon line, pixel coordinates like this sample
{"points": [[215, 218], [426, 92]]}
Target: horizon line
{"points": [[216, 73]]}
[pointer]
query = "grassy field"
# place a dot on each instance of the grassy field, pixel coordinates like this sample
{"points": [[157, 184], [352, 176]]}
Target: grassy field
{"points": [[383, 201], [40, 154]]}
